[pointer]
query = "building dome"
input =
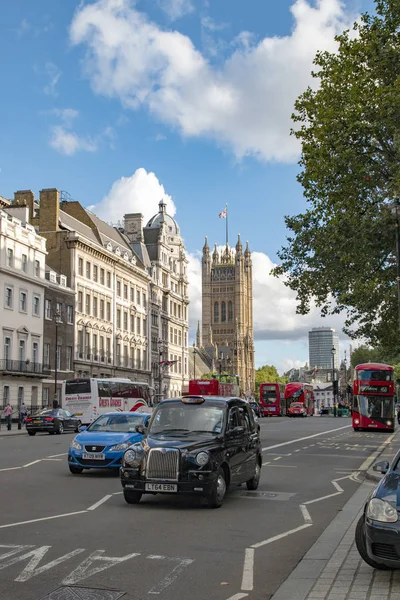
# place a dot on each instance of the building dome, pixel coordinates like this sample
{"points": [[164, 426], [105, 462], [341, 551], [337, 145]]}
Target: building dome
{"points": [[162, 217]]}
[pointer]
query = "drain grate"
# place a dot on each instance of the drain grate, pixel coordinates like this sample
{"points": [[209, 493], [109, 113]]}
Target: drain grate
{"points": [[83, 593]]}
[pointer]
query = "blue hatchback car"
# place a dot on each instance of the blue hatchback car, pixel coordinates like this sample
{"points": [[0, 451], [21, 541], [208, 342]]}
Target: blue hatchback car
{"points": [[103, 443]]}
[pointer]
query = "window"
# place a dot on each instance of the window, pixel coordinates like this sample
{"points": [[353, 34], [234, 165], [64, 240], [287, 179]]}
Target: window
{"points": [[36, 305], [144, 326], [119, 318], [132, 323], [179, 310], [171, 335], [95, 272], [132, 294], [59, 309], [24, 262], [58, 357], [80, 266], [87, 304], [102, 276], [138, 358], [22, 301], [20, 396], [180, 365], [175, 336], [10, 257], [108, 279], [21, 350], [6, 394], [94, 306], [223, 312], [68, 358], [186, 365], [46, 396], [101, 347], [154, 319], [144, 300], [118, 288], [37, 268], [109, 349], [70, 314], [46, 354], [9, 297], [180, 338], [108, 311], [230, 311], [80, 301], [138, 326], [101, 309], [126, 355], [138, 297], [94, 345], [125, 291], [126, 321], [88, 269], [7, 348], [216, 312]]}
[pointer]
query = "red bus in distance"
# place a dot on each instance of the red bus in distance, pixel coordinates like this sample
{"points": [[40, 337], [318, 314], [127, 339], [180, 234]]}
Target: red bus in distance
{"points": [[224, 385], [272, 399], [373, 397], [300, 392]]}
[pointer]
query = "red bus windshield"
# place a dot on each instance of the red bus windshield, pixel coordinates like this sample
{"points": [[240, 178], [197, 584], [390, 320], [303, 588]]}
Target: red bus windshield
{"points": [[372, 375], [375, 407], [269, 393]]}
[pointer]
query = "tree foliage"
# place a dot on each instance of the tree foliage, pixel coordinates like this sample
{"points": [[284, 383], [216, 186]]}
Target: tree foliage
{"points": [[268, 373], [364, 354], [341, 252]]}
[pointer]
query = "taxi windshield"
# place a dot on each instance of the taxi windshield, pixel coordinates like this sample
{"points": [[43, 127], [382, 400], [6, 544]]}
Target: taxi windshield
{"points": [[187, 418]]}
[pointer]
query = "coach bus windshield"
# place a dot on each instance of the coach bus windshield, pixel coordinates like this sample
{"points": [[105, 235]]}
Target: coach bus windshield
{"points": [[376, 407]]}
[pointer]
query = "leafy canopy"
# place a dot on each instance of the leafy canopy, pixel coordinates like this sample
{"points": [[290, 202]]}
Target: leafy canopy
{"points": [[268, 373], [341, 252]]}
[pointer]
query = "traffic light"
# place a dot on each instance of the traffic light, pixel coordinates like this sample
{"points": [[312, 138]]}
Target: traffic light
{"points": [[335, 388]]}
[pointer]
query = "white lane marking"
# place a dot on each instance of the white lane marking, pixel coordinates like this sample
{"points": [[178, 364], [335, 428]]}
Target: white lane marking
{"points": [[14, 550], [281, 536], [297, 451], [117, 493], [307, 437], [170, 578], [306, 514], [265, 464], [86, 570], [337, 486], [237, 597], [367, 463], [278, 458], [281, 466], [247, 578], [100, 502], [53, 459], [322, 498], [79, 512], [32, 569], [57, 455], [32, 463], [10, 469]]}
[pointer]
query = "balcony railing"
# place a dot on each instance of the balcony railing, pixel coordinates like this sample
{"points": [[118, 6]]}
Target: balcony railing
{"points": [[23, 367]]}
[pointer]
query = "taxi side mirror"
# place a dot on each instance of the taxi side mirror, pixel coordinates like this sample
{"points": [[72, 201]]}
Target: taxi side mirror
{"points": [[381, 467], [140, 429]]}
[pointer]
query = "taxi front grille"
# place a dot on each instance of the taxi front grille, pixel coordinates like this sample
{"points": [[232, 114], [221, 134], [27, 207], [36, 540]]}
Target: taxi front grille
{"points": [[163, 463]]}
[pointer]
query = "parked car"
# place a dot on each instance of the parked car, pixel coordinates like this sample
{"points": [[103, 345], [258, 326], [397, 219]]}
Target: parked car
{"points": [[378, 529], [195, 445], [52, 421], [102, 444], [296, 409], [258, 411]]}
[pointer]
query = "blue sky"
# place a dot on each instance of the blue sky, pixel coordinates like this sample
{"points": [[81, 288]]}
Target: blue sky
{"points": [[98, 96]]}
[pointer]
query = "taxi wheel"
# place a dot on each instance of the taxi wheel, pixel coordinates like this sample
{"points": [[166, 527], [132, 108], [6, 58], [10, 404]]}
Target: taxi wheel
{"points": [[75, 470], [362, 548], [132, 497], [31, 432], [216, 498], [252, 484]]}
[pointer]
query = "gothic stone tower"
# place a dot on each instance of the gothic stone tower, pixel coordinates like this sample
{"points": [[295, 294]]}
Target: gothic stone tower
{"points": [[227, 319]]}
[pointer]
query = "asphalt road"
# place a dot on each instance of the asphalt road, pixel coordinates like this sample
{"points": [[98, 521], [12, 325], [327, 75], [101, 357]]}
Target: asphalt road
{"points": [[59, 530]]}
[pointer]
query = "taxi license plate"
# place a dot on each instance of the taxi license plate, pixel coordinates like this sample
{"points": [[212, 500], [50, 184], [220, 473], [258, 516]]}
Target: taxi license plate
{"points": [[161, 487], [94, 456]]}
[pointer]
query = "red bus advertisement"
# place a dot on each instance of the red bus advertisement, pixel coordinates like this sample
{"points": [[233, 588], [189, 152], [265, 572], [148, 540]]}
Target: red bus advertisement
{"points": [[373, 397], [300, 393], [224, 385], [272, 399]]}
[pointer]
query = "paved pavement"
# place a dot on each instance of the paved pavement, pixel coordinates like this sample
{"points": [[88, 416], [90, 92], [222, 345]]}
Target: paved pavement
{"points": [[58, 530], [333, 568]]}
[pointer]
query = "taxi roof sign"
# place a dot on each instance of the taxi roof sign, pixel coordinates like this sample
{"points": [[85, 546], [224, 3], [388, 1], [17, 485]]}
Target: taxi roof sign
{"points": [[193, 399]]}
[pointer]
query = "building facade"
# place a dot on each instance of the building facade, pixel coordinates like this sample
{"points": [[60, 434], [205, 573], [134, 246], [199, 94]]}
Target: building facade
{"points": [[58, 335], [22, 293], [227, 311], [321, 340]]}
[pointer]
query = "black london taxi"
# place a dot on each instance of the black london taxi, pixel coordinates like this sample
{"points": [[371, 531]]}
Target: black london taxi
{"points": [[194, 445]]}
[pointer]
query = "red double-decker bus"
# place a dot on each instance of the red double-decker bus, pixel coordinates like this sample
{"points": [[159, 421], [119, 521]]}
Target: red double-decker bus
{"points": [[373, 397], [302, 393], [272, 399], [220, 385]]}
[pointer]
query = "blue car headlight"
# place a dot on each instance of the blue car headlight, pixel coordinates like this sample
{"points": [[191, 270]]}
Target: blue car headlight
{"points": [[120, 447], [75, 445]]}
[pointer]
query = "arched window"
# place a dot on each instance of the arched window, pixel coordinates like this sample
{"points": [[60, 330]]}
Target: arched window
{"points": [[223, 312], [216, 312], [230, 311]]}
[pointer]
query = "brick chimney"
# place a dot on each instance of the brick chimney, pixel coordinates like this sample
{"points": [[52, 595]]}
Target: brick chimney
{"points": [[133, 227], [49, 211], [25, 198]]}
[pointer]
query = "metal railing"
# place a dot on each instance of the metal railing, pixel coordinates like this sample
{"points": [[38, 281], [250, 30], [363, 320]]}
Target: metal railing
{"points": [[22, 366]]}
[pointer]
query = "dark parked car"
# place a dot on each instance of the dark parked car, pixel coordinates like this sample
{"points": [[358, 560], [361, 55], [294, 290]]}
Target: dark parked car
{"points": [[195, 445], [258, 411], [53, 421], [378, 529]]}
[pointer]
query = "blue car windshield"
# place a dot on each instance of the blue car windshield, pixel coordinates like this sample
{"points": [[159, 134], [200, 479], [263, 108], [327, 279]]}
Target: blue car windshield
{"points": [[117, 423]]}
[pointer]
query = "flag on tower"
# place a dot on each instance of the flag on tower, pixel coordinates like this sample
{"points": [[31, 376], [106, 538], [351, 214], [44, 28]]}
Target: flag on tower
{"points": [[222, 215]]}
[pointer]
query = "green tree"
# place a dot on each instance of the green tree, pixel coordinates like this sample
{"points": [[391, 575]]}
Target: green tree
{"points": [[363, 354], [268, 373], [341, 250]]}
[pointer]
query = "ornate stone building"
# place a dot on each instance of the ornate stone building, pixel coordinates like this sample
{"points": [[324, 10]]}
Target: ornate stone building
{"points": [[227, 315]]}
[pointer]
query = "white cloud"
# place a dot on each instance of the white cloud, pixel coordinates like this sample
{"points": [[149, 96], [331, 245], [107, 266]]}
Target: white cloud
{"points": [[67, 115], [245, 103], [53, 73], [176, 9], [140, 193], [23, 28], [69, 142], [209, 23]]}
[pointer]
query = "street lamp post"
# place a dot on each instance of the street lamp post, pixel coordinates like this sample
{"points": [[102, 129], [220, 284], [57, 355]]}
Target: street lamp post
{"points": [[57, 321], [160, 367], [333, 352], [345, 381]]}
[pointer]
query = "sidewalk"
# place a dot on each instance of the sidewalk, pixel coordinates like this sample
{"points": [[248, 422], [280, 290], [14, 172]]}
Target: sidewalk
{"points": [[14, 430], [333, 569]]}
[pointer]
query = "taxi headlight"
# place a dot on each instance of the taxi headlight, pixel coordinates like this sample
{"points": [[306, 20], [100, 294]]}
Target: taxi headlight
{"points": [[130, 457], [202, 458], [380, 510], [76, 445]]}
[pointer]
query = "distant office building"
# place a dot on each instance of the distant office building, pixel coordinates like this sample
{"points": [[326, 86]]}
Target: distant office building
{"points": [[321, 340]]}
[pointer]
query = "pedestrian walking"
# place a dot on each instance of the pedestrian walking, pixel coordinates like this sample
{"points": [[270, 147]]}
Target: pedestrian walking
{"points": [[7, 413], [23, 412]]}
